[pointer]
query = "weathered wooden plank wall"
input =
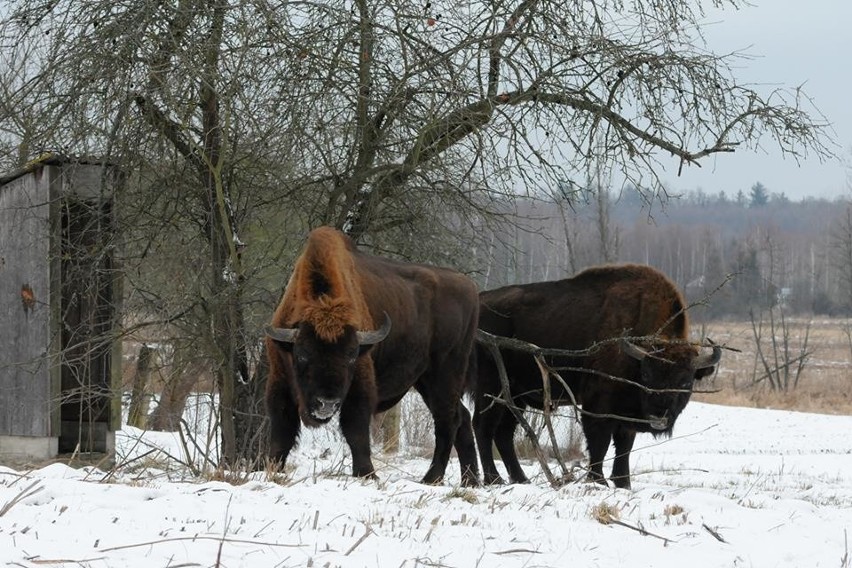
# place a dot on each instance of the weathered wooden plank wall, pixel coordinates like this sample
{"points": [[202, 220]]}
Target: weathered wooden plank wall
{"points": [[25, 302]]}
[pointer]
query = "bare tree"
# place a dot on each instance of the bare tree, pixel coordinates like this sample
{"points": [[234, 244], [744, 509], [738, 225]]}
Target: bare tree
{"points": [[245, 123], [399, 107], [153, 86], [782, 365]]}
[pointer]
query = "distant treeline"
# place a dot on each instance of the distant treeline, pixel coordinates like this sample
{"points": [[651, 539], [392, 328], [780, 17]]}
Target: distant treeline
{"points": [[730, 253]]}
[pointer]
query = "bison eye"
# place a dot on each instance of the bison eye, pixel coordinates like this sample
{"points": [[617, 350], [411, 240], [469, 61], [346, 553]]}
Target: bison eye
{"points": [[353, 359], [301, 359]]}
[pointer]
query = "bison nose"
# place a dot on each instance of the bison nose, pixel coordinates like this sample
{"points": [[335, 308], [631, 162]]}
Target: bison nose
{"points": [[325, 407], [328, 403]]}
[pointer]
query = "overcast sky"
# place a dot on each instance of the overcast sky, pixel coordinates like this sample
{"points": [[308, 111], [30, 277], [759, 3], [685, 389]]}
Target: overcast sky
{"points": [[794, 42]]}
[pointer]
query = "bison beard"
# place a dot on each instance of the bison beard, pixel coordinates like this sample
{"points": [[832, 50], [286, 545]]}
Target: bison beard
{"points": [[327, 358], [591, 309]]}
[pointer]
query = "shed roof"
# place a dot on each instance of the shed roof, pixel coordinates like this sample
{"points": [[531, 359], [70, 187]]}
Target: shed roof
{"points": [[49, 159]]}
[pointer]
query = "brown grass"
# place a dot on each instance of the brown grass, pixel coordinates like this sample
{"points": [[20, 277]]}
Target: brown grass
{"points": [[824, 385]]}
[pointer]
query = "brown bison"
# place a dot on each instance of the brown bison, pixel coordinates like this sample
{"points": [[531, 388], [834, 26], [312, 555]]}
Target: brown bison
{"points": [[590, 311], [326, 355]]}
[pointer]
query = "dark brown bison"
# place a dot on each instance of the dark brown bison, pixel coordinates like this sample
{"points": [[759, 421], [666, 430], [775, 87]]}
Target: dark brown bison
{"points": [[591, 310], [326, 355]]}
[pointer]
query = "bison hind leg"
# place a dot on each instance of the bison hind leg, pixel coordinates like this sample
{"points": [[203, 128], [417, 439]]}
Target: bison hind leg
{"points": [[504, 440], [447, 421], [466, 449], [485, 422]]}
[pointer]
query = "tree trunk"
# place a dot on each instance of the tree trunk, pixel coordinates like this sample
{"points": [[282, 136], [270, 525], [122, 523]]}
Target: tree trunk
{"points": [[184, 376], [250, 422], [137, 415], [230, 361]]}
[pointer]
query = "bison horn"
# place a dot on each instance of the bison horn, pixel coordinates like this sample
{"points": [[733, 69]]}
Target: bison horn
{"points": [[705, 361], [633, 350], [371, 337], [282, 334]]}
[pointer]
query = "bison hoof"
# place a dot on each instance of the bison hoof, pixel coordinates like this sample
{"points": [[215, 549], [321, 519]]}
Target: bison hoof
{"points": [[275, 465], [470, 482], [493, 479], [470, 476], [432, 480], [596, 479]]}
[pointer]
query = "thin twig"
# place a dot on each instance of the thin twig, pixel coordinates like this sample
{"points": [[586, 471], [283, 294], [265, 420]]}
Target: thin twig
{"points": [[640, 530], [715, 534], [28, 491], [189, 461], [516, 551], [545, 377], [201, 451], [224, 531], [358, 542], [36, 560], [193, 538], [124, 464]]}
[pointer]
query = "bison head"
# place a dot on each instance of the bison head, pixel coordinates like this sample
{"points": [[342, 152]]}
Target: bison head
{"points": [[668, 375], [323, 370]]}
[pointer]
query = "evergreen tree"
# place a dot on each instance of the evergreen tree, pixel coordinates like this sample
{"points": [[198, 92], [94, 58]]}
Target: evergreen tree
{"points": [[780, 198], [759, 195]]}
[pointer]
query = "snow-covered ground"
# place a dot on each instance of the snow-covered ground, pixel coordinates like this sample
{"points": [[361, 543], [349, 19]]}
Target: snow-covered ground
{"points": [[734, 487]]}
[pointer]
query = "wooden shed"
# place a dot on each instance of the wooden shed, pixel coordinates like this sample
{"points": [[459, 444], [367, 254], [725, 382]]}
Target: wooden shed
{"points": [[60, 360]]}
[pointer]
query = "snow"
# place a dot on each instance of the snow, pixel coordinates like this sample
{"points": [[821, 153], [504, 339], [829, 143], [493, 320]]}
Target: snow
{"points": [[775, 486]]}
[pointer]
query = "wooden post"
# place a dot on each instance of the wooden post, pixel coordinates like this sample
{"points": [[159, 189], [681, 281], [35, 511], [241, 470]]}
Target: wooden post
{"points": [[390, 429]]}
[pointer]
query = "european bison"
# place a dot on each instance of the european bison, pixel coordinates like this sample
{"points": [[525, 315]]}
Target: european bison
{"points": [[591, 310], [326, 355]]}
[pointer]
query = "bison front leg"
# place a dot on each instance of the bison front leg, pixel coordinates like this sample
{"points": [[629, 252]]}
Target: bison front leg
{"points": [[355, 424], [623, 439], [284, 424], [598, 437]]}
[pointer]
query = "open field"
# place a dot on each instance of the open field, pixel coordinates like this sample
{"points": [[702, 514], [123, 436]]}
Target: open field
{"points": [[734, 487], [825, 383]]}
